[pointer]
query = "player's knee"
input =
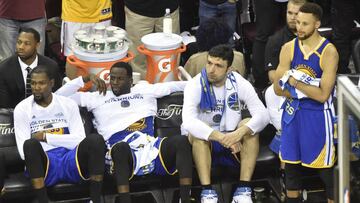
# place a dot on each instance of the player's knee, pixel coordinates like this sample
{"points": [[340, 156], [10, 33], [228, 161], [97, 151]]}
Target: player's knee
{"points": [[183, 143], [30, 145], [196, 142], [292, 177], [120, 150], [327, 177]]}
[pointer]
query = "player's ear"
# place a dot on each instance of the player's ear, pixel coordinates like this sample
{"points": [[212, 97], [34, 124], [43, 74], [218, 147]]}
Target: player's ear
{"points": [[318, 24]]}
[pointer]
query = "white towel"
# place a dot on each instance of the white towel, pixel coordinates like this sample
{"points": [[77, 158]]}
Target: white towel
{"points": [[232, 107]]}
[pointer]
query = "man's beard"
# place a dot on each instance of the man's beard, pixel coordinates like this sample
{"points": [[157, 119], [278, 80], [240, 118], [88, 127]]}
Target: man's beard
{"points": [[306, 36]]}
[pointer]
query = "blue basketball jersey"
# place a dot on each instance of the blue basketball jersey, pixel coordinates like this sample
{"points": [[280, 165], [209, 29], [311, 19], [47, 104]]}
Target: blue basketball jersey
{"points": [[311, 65]]}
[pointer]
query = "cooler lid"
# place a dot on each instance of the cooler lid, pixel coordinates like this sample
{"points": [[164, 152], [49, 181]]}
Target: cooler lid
{"points": [[160, 41]]}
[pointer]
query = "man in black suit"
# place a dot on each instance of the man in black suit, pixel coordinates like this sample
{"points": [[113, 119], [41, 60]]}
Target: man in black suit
{"points": [[14, 70]]}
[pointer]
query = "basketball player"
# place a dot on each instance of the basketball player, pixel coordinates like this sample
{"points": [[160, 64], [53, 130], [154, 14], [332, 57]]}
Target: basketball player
{"points": [[306, 77], [125, 118], [50, 137], [213, 101]]}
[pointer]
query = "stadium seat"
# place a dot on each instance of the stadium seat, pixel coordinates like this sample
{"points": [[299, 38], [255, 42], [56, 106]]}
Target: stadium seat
{"points": [[162, 189]]}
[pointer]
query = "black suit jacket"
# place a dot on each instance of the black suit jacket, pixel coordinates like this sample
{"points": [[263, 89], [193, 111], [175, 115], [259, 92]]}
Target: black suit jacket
{"points": [[12, 86]]}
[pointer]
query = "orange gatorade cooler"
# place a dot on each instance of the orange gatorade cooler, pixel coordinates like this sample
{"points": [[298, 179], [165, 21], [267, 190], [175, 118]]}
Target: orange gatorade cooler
{"points": [[162, 51], [98, 64]]}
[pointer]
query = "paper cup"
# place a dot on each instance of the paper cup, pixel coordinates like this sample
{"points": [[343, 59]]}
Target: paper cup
{"points": [[112, 43], [99, 45], [110, 30], [99, 30], [86, 43]]}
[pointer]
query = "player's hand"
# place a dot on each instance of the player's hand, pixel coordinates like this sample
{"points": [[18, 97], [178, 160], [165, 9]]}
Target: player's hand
{"points": [[232, 138], [38, 135], [99, 83], [236, 148], [292, 81]]}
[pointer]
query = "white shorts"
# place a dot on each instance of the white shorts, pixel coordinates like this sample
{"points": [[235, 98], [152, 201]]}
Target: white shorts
{"points": [[67, 33]]}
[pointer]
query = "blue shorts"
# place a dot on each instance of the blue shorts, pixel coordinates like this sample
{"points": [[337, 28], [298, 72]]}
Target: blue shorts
{"points": [[308, 139], [222, 156], [62, 167], [160, 168], [157, 166]]}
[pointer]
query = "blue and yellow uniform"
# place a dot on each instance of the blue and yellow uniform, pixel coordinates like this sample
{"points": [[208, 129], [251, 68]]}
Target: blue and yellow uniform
{"points": [[308, 138], [145, 127], [62, 163]]}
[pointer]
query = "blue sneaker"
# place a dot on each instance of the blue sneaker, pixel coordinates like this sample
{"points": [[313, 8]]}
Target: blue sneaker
{"points": [[242, 195], [208, 196]]}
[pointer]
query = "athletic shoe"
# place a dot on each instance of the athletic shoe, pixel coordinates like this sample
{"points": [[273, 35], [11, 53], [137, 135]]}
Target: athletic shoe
{"points": [[242, 195]]}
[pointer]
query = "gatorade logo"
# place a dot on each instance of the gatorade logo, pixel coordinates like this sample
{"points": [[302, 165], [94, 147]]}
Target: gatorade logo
{"points": [[105, 76], [164, 65]]}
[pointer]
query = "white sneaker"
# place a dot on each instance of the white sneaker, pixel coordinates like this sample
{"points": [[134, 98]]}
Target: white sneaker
{"points": [[209, 196], [242, 195]]}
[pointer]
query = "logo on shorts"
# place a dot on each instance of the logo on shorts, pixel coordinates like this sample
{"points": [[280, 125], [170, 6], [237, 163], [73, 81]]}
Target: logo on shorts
{"points": [[167, 113], [137, 126], [233, 102]]}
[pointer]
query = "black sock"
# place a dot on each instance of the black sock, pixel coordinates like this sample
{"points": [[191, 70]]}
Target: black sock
{"points": [[95, 191], [293, 200], [123, 198], [206, 187], [42, 195], [244, 183], [185, 193]]}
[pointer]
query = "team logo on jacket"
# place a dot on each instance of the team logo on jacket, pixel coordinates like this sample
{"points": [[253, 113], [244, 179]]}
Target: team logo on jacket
{"points": [[217, 118], [125, 103], [233, 102]]}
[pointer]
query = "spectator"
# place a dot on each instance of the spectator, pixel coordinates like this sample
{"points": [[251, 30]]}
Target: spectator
{"points": [[144, 17], [50, 137], [344, 12], [265, 10], [276, 41], [14, 71], [125, 118], [212, 116], [15, 14], [224, 9], [307, 70], [80, 14], [210, 33]]}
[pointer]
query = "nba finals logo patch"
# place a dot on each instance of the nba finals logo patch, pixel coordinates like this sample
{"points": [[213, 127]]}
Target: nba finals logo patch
{"points": [[233, 102]]}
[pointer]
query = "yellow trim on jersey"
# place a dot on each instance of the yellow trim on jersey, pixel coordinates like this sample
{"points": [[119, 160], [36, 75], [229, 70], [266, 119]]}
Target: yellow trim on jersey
{"points": [[287, 161], [307, 56], [162, 161], [320, 160], [78, 165], [320, 61], [292, 49]]}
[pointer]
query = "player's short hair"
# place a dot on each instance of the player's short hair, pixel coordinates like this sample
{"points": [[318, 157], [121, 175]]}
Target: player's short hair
{"points": [[223, 51], [312, 8], [43, 69], [125, 66]]}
